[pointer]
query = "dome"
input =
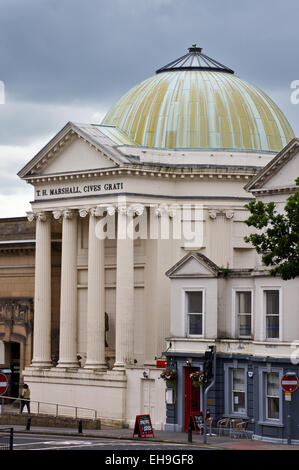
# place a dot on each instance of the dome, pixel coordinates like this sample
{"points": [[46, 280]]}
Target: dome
{"points": [[197, 103]]}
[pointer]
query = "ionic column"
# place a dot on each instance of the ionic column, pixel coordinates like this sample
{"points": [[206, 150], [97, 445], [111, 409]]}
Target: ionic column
{"points": [[124, 290], [68, 295], [42, 294], [95, 297]]}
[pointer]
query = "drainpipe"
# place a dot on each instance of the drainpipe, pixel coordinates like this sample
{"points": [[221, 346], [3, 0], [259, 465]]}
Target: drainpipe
{"points": [[205, 397]]}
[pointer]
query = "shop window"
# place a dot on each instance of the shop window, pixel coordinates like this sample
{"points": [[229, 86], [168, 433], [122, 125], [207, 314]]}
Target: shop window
{"points": [[272, 395], [238, 390], [235, 391], [194, 307], [244, 313]]}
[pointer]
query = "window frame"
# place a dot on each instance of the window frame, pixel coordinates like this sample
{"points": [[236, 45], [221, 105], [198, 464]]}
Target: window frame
{"points": [[264, 302], [186, 290], [228, 390], [263, 408], [236, 314]]}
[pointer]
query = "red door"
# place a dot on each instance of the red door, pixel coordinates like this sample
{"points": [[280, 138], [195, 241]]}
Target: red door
{"points": [[192, 396]]}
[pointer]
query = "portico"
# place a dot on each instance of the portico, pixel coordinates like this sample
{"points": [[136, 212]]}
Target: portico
{"points": [[95, 352]]}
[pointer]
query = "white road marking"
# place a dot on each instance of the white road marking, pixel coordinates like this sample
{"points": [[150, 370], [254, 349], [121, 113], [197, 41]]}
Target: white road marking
{"points": [[60, 444]]}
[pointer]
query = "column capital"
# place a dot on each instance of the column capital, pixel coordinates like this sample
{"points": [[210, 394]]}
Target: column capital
{"points": [[41, 216], [84, 212], [164, 209], [111, 209], [135, 209], [64, 213], [69, 213], [96, 211], [127, 209], [30, 216]]}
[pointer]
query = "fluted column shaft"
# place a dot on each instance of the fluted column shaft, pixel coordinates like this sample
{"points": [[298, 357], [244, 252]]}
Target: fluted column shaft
{"points": [[42, 295], [95, 298], [68, 297], [124, 292]]}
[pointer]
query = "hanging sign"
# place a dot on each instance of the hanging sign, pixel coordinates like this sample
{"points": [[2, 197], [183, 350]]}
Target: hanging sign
{"points": [[143, 426]]}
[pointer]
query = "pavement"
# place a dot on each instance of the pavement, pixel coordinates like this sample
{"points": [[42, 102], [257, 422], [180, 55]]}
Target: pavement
{"points": [[213, 442]]}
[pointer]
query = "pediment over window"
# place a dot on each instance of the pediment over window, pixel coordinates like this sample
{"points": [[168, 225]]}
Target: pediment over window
{"points": [[193, 265]]}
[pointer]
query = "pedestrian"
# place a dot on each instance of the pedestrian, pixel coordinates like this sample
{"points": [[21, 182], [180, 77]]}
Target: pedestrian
{"points": [[25, 398]]}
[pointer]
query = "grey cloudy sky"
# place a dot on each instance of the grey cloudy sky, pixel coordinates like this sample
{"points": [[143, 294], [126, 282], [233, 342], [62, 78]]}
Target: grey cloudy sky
{"points": [[70, 60]]}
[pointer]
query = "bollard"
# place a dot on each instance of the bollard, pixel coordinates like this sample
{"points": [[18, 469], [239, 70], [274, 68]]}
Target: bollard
{"points": [[11, 439], [28, 424], [190, 434], [80, 426]]}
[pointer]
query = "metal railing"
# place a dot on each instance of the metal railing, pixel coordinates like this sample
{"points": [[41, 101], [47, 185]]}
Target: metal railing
{"points": [[36, 406], [6, 438]]}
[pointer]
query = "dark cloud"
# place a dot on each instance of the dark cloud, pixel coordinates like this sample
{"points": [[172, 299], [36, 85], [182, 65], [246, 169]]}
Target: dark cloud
{"points": [[88, 53]]}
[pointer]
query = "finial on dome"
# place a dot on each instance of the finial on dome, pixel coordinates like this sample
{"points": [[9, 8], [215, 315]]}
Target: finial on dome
{"points": [[194, 48]]}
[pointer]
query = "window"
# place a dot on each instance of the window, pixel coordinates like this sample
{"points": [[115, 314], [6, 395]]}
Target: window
{"points": [[235, 389], [238, 390], [194, 313], [272, 313], [244, 312], [272, 395]]}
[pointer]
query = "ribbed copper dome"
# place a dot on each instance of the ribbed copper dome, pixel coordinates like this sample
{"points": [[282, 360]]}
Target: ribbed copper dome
{"points": [[197, 103]]}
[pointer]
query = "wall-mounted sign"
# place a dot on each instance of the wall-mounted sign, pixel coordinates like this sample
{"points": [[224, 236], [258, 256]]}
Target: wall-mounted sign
{"points": [[160, 364], [3, 384], [170, 396], [143, 426], [289, 383]]}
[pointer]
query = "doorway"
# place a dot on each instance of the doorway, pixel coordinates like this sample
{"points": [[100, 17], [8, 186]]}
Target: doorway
{"points": [[12, 353], [148, 398], [192, 396]]}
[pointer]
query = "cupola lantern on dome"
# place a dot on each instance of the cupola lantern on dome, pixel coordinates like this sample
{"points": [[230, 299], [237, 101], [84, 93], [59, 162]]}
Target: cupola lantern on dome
{"points": [[197, 103], [195, 60]]}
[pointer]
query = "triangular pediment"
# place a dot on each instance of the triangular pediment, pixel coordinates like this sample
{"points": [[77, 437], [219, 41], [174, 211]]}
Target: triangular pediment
{"points": [[193, 265], [76, 148], [77, 156], [281, 171], [285, 175]]}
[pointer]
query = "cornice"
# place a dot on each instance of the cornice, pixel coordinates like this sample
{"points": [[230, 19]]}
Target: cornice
{"points": [[291, 189], [215, 173]]}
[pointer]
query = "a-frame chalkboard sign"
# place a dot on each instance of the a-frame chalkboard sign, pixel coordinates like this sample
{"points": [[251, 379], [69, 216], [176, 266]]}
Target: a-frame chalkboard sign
{"points": [[143, 426], [196, 421]]}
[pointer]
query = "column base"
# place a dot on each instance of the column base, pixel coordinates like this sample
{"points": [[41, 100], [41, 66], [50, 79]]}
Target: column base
{"points": [[68, 365], [119, 366], [41, 364], [95, 366]]}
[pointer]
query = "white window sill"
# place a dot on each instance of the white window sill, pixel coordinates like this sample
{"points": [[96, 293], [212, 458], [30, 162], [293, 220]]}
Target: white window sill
{"points": [[271, 423]]}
